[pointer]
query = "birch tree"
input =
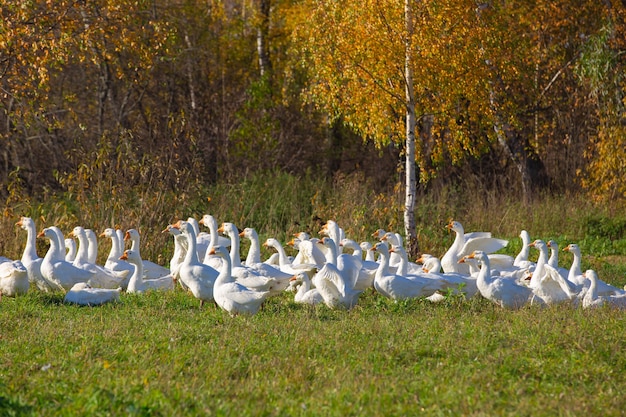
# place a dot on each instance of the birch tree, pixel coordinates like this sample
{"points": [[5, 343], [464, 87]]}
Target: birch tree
{"points": [[384, 68]]}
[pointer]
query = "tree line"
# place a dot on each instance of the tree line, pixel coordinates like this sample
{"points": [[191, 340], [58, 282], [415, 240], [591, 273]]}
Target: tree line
{"points": [[524, 95]]}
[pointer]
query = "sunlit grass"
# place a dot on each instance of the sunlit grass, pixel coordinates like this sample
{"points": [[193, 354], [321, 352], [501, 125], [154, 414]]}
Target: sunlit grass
{"points": [[159, 354]]}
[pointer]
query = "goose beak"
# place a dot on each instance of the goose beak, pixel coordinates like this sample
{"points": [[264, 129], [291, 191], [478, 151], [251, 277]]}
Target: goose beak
{"points": [[221, 229], [102, 235], [41, 234], [126, 236], [242, 234], [212, 251], [124, 256]]}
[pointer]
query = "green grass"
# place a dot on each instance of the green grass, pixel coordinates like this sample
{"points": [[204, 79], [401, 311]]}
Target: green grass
{"points": [[159, 354]]}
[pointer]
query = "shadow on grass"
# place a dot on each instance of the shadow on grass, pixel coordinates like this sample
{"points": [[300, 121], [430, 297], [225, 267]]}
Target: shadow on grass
{"points": [[10, 407]]}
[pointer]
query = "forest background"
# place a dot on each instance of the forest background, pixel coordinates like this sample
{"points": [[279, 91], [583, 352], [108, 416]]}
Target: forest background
{"points": [[154, 99]]}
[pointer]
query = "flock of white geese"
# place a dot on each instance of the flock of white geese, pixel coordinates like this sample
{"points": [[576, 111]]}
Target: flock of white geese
{"points": [[332, 269]]}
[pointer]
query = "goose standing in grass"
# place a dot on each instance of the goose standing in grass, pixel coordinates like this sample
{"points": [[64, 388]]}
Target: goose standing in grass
{"points": [[351, 267], [369, 254], [203, 239], [102, 277], [151, 270], [60, 239], [395, 257], [137, 284], [575, 274], [309, 252], [593, 300], [553, 260], [504, 292], [85, 295], [332, 230], [304, 293], [547, 284], [521, 260], [404, 266], [398, 287], [70, 246], [253, 260], [336, 280], [212, 260], [231, 295], [284, 263], [180, 251], [249, 276], [13, 279], [92, 248], [57, 270], [113, 261], [30, 258], [199, 278], [581, 281], [464, 244]]}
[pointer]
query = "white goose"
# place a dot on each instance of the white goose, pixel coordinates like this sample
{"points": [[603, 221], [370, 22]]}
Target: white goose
{"points": [[309, 252], [336, 280], [350, 266], [593, 300], [395, 258], [102, 277], [92, 248], [454, 281], [113, 261], [231, 295], [151, 270], [70, 246], [137, 284], [30, 259], [547, 284], [83, 294], [404, 266], [521, 260], [304, 293], [502, 291], [212, 260], [57, 270], [60, 239], [13, 279], [582, 283], [369, 254], [254, 259], [284, 263], [466, 243], [398, 287], [180, 250], [249, 276], [332, 230], [553, 260], [199, 278], [368, 267], [202, 238]]}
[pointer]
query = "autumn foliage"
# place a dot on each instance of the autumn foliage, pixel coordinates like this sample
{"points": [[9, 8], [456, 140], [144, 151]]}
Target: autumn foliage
{"points": [[525, 95]]}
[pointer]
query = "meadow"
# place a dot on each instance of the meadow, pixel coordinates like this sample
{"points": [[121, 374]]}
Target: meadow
{"points": [[159, 354]]}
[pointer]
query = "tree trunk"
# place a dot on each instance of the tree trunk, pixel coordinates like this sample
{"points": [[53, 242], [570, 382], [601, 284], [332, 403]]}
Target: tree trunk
{"points": [[261, 37], [411, 183]]}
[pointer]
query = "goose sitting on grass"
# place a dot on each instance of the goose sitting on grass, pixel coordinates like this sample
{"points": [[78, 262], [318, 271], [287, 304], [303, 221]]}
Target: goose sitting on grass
{"points": [[83, 294]]}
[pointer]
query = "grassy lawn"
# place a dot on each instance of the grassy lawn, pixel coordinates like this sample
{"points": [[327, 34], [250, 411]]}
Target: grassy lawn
{"points": [[159, 354]]}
